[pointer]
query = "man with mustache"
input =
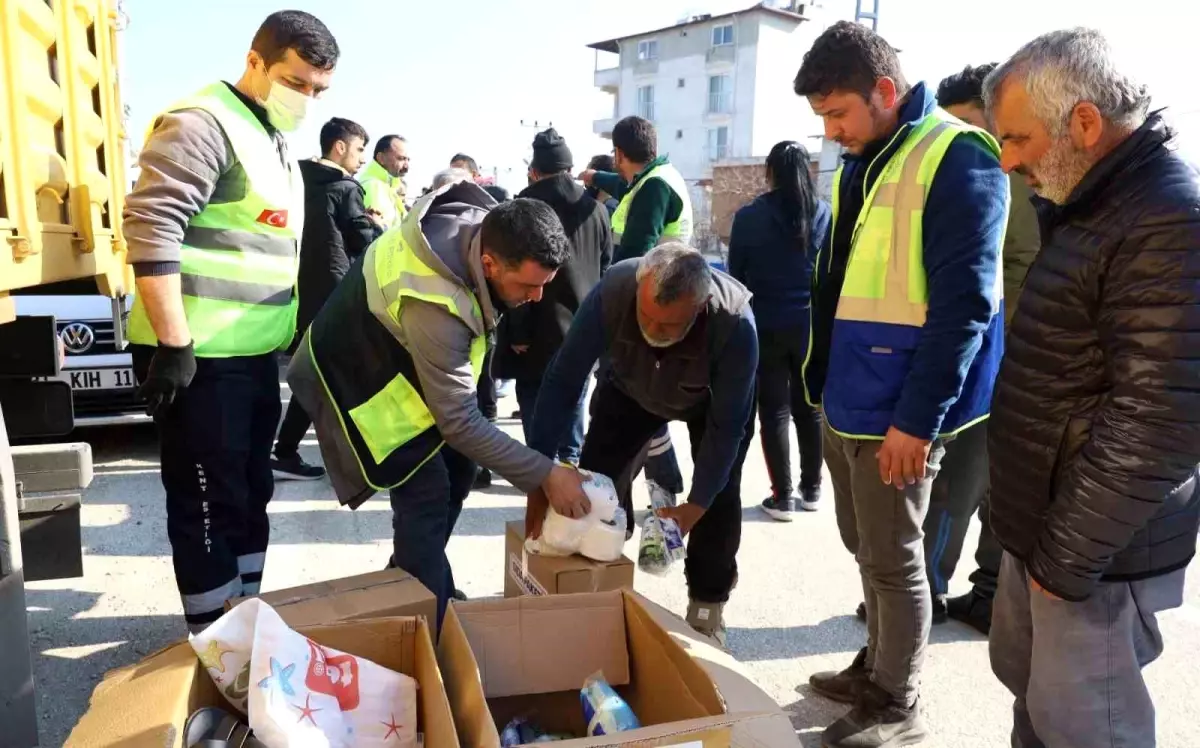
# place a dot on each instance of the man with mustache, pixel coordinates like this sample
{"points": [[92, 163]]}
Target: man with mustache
{"points": [[1095, 433], [680, 344], [383, 180], [907, 335]]}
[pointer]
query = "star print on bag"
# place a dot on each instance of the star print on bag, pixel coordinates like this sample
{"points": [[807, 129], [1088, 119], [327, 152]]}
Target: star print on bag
{"points": [[282, 677], [392, 726], [307, 711], [211, 656]]}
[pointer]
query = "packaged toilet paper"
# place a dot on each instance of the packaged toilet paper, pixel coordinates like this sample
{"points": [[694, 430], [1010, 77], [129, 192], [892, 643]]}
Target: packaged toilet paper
{"points": [[662, 541], [600, 535]]}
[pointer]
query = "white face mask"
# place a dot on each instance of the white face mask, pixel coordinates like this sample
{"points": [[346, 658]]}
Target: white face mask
{"points": [[286, 107]]}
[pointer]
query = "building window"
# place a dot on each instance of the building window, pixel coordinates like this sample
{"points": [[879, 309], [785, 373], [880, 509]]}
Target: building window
{"points": [[720, 94], [648, 49], [718, 143], [722, 35], [645, 102], [680, 85], [679, 134]]}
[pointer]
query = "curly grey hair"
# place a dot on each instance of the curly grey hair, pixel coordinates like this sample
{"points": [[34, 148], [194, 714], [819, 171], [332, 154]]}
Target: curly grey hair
{"points": [[679, 272]]}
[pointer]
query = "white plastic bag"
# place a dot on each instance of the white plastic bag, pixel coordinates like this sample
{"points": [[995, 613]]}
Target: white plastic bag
{"points": [[298, 693], [600, 535]]}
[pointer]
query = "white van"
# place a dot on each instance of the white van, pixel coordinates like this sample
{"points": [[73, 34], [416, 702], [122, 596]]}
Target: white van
{"points": [[101, 377]]}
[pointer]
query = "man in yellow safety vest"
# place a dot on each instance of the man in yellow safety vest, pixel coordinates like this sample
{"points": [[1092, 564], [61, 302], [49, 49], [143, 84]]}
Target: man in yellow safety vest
{"points": [[907, 335], [213, 227], [383, 180]]}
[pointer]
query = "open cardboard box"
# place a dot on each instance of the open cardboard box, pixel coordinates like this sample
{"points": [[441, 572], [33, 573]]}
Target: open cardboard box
{"points": [[145, 705], [377, 594], [530, 574], [529, 656]]}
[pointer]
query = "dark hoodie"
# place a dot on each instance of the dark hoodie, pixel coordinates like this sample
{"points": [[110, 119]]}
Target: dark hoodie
{"points": [[336, 232], [766, 257], [543, 325]]}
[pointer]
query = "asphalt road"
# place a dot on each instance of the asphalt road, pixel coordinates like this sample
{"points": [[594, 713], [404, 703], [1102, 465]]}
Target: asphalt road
{"points": [[792, 613]]}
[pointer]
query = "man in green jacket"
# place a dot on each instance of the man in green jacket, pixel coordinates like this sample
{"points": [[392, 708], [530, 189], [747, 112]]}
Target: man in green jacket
{"points": [[654, 204], [383, 180]]}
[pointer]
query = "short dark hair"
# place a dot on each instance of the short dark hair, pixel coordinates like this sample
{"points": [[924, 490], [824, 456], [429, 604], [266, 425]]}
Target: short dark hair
{"points": [[525, 229], [341, 129], [848, 56], [965, 87], [602, 162], [470, 162], [385, 143], [303, 32], [636, 138]]}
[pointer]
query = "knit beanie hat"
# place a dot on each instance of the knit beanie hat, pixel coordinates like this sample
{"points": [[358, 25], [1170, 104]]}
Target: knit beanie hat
{"points": [[550, 153]]}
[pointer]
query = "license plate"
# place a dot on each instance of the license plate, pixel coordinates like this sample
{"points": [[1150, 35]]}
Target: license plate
{"points": [[98, 379]]}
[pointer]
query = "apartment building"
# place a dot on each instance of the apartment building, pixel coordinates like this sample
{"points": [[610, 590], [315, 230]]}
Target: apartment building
{"points": [[717, 87]]}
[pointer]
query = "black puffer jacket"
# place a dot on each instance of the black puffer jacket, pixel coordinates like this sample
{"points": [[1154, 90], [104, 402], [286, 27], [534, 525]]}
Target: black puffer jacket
{"points": [[1095, 429], [336, 232], [543, 325]]}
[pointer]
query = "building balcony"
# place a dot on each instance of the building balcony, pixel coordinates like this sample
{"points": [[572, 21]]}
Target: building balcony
{"points": [[722, 54], [604, 127], [609, 79], [646, 67]]}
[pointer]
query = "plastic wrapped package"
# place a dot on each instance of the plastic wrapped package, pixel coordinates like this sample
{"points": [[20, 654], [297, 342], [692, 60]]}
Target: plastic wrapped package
{"points": [[604, 709], [662, 542], [523, 731], [600, 535]]}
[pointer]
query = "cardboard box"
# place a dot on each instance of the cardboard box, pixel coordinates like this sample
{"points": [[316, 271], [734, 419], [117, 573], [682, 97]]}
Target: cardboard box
{"points": [[145, 705], [530, 574], [379, 594], [530, 656]]}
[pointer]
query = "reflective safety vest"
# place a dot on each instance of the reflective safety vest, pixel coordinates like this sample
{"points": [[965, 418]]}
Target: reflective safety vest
{"points": [[381, 193], [355, 347], [679, 230], [239, 260], [884, 298]]}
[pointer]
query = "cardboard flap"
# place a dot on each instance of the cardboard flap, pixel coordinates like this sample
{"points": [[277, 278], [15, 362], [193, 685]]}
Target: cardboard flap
{"points": [[460, 674], [707, 731], [544, 644]]}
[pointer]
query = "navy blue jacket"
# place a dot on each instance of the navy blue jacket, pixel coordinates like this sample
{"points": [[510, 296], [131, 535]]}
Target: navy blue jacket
{"points": [[950, 362], [766, 257]]}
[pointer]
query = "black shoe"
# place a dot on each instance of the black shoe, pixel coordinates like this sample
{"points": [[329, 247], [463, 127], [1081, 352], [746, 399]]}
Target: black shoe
{"points": [[459, 595], [973, 609], [877, 721], [846, 685], [781, 510], [516, 415], [294, 468], [211, 726], [939, 610], [810, 499], [483, 479]]}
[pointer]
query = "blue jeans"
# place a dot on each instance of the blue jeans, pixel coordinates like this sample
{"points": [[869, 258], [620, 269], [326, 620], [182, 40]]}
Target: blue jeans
{"points": [[424, 511], [572, 445]]}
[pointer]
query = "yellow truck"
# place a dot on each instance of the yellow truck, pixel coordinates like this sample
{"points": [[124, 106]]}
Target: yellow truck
{"points": [[62, 183]]}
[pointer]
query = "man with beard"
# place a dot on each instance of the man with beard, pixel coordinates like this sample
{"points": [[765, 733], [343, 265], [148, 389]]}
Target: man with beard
{"points": [[1095, 432], [389, 367], [907, 335], [680, 345], [383, 180]]}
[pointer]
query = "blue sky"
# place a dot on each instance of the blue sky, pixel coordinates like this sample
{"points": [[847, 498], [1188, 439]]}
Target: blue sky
{"points": [[462, 75]]}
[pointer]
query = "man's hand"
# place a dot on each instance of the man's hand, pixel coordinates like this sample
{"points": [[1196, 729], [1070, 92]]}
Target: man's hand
{"points": [[586, 175], [902, 458], [564, 490], [171, 370], [1033, 585], [685, 515], [520, 348], [376, 218], [536, 505]]}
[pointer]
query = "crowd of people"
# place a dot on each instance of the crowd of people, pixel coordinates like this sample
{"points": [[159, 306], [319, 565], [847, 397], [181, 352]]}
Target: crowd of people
{"points": [[992, 316]]}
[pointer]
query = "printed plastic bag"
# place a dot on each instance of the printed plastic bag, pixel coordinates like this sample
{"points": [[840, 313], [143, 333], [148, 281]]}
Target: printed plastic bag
{"points": [[662, 541], [296, 692], [523, 731], [603, 708]]}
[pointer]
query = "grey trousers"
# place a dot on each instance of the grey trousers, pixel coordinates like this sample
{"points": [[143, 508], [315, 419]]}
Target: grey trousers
{"points": [[882, 527], [1076, 668]]}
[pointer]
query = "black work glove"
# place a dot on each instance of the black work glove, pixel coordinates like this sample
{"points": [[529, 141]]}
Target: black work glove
{"points": [[171, 369]]}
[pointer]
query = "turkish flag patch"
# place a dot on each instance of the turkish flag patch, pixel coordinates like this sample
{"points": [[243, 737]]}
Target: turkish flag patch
{"points": [[276, 218]]}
